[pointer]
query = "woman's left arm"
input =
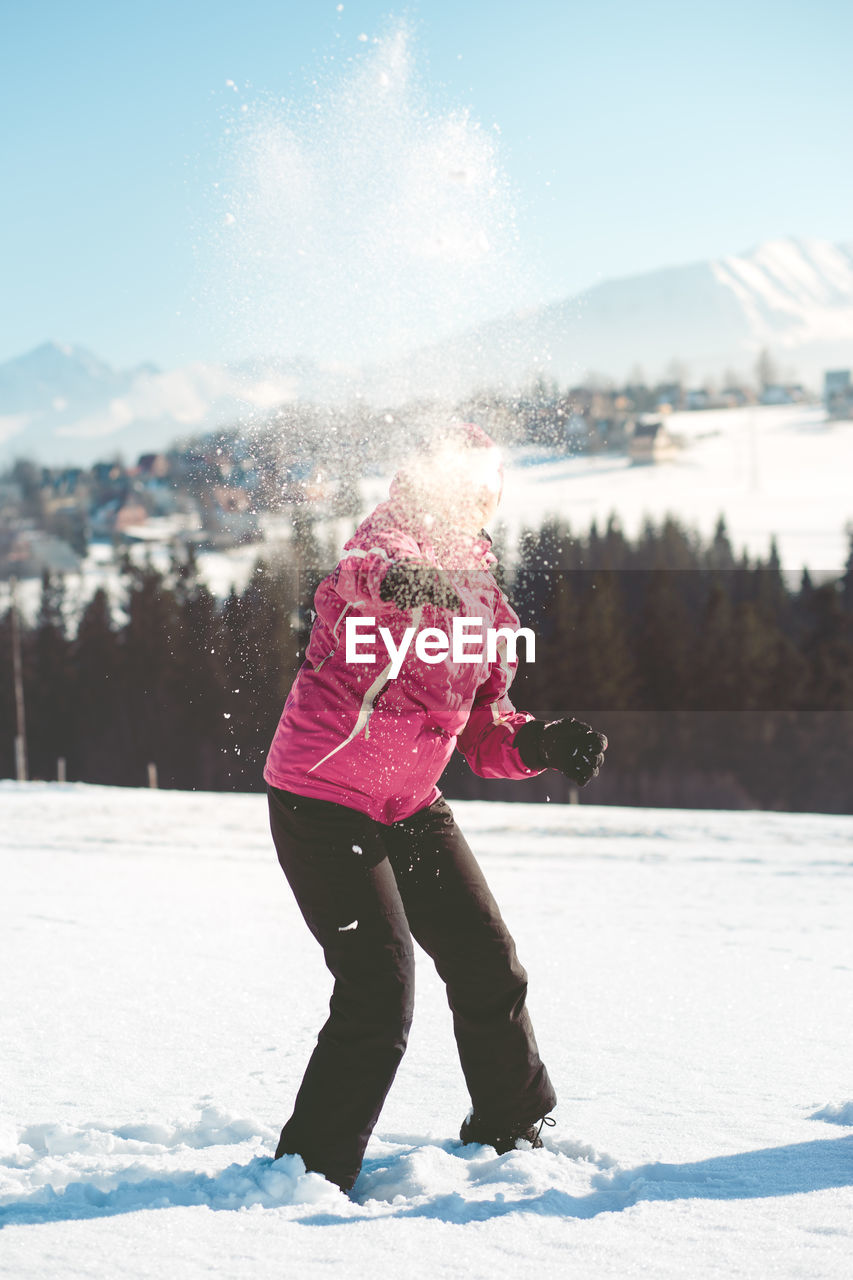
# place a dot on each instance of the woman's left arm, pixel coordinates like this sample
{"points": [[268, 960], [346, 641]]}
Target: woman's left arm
{"points": [[487, 739]]}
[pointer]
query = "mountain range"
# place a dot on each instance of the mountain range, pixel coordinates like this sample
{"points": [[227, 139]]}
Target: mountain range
{"points": [[59, 403]]}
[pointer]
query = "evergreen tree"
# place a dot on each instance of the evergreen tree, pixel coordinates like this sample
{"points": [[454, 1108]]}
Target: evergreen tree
{"points": [[49, 693], [8, 715], [549, 686], [666, 642], [614, 546], [768, 590], [847, 579], [199, 675], [97, 751], [153, 704], [829, 651], [714, 677], [720, 555], [263, 650], [604, 676]]}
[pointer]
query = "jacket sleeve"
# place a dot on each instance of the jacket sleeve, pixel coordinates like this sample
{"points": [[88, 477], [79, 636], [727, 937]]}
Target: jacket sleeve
{"points": [[359, 573], [486, 742]]}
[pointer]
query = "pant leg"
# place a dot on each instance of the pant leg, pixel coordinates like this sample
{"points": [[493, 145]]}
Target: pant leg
{"points": [[337, 867], [454, 917]]}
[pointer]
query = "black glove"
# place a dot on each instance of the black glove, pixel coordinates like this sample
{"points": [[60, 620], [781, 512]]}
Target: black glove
{"points": [[568, 745], [410, 584]]}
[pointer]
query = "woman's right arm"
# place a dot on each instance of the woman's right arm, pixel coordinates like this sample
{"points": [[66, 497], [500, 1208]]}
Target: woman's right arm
{"points": [[360, 571]]}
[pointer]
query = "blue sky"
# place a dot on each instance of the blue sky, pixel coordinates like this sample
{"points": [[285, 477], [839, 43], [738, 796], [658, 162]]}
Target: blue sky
{"points": [[634, 135]]}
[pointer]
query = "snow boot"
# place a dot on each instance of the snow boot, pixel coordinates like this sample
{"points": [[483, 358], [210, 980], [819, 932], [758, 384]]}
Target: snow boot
{"points": [[502, 1139]]}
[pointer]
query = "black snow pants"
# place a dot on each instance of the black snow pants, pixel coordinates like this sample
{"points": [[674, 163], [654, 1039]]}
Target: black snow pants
{"points": [[366, 889]]}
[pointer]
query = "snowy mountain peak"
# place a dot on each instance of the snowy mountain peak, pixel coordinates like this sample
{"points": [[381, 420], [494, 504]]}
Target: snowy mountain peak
{"points": [[53, 357], [793, 291], [56, 374], [791, 295]]}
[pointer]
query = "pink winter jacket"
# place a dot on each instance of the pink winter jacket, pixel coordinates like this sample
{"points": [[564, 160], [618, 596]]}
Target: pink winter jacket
{"points": [[352, 734]]}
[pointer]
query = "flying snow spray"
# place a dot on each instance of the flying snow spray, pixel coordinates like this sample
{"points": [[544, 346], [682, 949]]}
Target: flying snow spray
{"points": [[360, 233]]}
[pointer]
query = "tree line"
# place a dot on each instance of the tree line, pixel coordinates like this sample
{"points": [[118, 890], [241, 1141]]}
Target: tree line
{"points": [[718, 682]]}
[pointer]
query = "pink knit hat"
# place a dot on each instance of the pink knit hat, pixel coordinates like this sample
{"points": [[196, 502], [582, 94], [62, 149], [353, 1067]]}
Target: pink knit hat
{"points": [[471, 453], [472, 435], [450, 470]]}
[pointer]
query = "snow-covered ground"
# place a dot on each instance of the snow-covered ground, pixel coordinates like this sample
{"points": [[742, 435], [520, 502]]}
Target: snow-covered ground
{"points": [[691, 986], [768, 470]]}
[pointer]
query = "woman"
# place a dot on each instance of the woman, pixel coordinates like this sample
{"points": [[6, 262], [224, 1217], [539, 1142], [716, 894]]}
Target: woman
{"points": [[365, 838]]}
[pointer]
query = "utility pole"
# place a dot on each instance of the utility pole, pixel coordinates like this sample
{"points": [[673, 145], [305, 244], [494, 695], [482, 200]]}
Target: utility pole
{"points": [[18, 675]]}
